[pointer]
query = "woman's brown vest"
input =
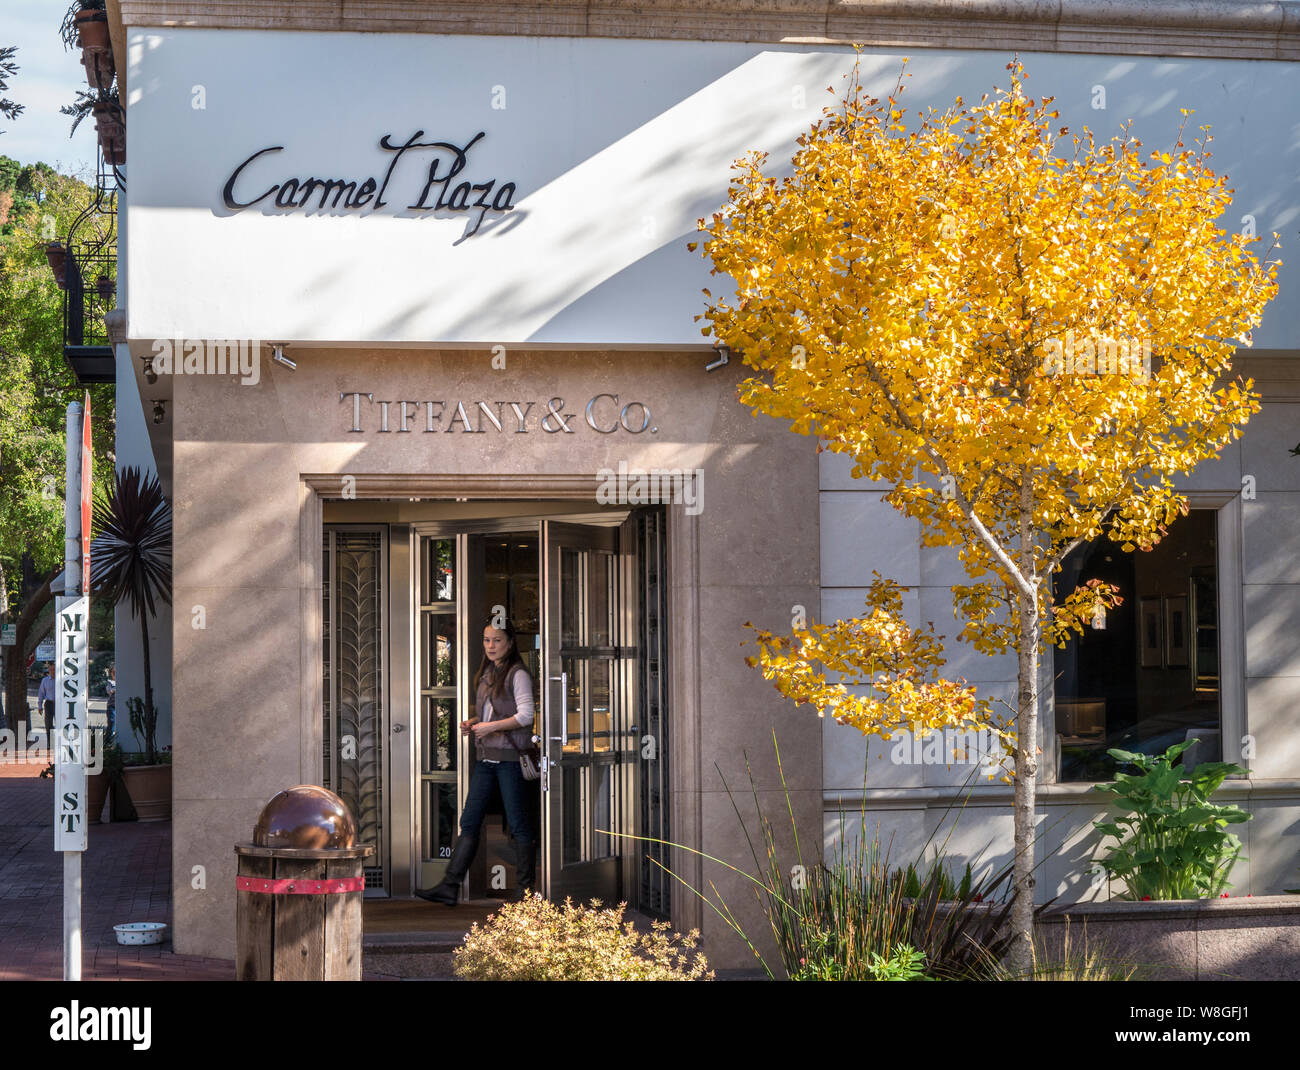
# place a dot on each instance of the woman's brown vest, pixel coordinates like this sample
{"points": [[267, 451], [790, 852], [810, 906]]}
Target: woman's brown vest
{"points": [[495, 747]]}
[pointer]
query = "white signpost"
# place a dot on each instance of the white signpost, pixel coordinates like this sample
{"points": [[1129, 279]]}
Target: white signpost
{"points": [[72, 626]]}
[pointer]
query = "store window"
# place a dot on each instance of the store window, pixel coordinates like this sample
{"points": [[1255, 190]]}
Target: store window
{"points": [[1149, 678]]}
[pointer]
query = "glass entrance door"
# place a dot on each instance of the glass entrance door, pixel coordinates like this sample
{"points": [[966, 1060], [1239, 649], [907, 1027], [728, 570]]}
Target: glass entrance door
{"points": [[585, 728], [468, 573]]}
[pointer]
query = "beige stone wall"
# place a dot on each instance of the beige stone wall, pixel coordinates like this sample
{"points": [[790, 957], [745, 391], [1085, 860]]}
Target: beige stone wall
{"points": [[247, 525], [1268, 30]]}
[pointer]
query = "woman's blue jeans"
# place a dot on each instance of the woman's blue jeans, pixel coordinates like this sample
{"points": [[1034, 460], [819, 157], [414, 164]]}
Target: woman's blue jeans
{"points": [[514, 793]]}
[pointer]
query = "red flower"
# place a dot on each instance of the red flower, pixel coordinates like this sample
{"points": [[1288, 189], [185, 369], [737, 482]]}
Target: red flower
{"points": [[978, 897], [1146, 899]]}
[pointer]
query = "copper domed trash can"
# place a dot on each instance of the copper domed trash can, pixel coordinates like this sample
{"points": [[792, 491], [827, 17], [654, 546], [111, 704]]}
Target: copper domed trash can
{"points": [[298, 891]]}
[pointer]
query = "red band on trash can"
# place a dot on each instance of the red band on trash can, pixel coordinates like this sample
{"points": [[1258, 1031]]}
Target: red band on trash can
{"points": [[299, 886]]}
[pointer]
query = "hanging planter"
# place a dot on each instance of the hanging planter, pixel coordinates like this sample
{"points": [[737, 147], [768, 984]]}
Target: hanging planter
{"points": [[57, 254], [92, 28], [105, 287], [111, 131], [96, 48], [107, 114], [114, 151], [99, 66]]}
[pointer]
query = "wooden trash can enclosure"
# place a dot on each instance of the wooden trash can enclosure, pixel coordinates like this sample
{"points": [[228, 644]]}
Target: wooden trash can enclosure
{"points": [[299, 887]]}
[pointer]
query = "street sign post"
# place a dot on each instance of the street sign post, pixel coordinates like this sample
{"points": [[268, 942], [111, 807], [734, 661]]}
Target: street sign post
{"points": [[72, 629], [72, 622]]}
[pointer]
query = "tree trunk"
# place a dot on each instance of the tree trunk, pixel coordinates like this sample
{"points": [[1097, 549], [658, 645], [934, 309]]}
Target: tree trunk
{"points": [[6, 655], [1022, 907], [150, 717], [16, 662]]}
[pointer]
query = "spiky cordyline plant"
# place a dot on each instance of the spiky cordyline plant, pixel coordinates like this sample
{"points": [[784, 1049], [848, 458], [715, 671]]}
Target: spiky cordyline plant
{"points": [[131, 561], [85, 104]]}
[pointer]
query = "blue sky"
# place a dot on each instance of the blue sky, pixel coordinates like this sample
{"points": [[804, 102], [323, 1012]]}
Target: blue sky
{"points": [[48, 77]]}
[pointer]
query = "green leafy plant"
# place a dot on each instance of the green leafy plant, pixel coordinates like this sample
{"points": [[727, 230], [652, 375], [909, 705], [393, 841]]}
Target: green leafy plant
{"points": [[536, 940], [8, 68], [85, 102], [948, 889], [131, 562], [144, 723], [903, 964], [846, 918], [1172, 841]]}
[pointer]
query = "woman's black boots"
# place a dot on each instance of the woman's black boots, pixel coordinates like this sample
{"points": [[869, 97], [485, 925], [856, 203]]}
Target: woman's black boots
{"points": [[525, 870], [448, 889]]}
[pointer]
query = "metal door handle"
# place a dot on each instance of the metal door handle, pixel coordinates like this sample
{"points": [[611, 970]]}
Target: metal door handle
{"points": [[563, 737]]}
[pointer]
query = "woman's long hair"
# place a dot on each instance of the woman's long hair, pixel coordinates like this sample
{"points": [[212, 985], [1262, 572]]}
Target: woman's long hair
{"points": [[488, 668]]}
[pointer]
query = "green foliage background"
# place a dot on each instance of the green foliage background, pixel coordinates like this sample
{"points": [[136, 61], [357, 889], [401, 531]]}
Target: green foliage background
{"points": [[38, 205]]}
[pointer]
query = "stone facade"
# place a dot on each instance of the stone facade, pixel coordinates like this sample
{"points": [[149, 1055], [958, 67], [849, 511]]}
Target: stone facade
{"points": [[251, 468]]}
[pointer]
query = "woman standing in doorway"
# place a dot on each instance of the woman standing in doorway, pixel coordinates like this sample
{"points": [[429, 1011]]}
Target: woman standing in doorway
{"points": [[502, 730]]}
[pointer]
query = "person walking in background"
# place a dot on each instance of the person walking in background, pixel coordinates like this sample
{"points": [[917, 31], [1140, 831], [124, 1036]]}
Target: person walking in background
{"points": [[45, 700]]}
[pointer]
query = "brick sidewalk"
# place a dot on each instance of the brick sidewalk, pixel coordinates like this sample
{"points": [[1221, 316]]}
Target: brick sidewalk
{"points": [[126, 876]]}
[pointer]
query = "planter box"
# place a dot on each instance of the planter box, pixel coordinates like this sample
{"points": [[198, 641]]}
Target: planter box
{"points": [[96, 796], [150, 788], [1246, 939], [92, 29], [110, 130], [57, 254]]}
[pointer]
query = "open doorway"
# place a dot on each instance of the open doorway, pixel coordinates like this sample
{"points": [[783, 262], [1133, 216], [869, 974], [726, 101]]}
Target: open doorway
{"points": [[408, 589]]}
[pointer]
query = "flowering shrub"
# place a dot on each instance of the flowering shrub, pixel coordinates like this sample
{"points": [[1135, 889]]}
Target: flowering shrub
{"points": [[536, 940]]}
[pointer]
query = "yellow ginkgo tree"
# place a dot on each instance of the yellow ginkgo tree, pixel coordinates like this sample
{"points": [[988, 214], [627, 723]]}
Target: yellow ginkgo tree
{"points": [[1027, 333]]}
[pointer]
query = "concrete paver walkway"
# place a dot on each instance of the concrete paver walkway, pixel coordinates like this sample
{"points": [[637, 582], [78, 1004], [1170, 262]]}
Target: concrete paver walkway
{"points": [[126, 876]]}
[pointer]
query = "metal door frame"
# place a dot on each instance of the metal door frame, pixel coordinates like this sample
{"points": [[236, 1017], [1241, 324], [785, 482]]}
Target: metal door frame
{"points": [[389, 815], [584, 877], [466, 639]]}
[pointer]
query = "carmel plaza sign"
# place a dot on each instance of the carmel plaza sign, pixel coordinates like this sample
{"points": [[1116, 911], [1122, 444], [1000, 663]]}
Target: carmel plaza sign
{"points": [[603, 414], [444, 161]]}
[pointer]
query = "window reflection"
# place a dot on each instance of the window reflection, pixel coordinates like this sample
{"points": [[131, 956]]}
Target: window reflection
{"points": [[600, 704], [440, 650], [1149, 678], [439, 581]]}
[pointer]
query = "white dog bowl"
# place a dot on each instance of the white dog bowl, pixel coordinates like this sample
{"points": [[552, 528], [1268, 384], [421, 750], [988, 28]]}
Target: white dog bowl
{"points": [[141, 932]]}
